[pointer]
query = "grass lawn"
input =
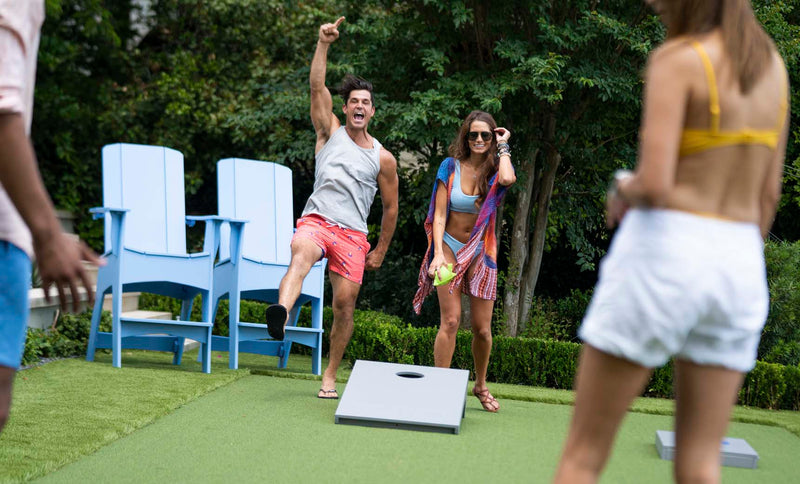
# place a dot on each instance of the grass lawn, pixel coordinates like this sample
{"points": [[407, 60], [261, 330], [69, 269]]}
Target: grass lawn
{"points": [[252, 426]]}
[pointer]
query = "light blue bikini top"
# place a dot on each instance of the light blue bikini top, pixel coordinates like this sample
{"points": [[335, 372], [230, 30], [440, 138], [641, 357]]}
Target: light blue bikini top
{"points": [[460, 202]]}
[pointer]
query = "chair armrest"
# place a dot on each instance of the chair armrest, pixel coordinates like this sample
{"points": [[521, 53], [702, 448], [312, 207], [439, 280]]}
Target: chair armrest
{"points": [[117, 230], [193, 219], [213, 224], [99, 212]]}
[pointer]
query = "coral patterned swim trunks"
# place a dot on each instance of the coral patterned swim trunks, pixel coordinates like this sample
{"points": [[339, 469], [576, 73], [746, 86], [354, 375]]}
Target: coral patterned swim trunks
{"points": [[346, 249]]}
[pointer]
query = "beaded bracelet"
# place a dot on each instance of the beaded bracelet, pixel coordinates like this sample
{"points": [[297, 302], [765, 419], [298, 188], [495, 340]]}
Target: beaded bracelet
{"points": [[503, 151]]}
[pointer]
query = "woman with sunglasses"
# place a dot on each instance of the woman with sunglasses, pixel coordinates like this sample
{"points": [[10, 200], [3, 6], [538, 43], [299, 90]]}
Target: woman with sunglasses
{"points": [[460, 226], [685, 274]]}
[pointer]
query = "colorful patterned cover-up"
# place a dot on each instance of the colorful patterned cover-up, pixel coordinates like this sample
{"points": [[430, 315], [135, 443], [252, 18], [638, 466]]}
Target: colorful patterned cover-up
{"points": [[484, 280]]}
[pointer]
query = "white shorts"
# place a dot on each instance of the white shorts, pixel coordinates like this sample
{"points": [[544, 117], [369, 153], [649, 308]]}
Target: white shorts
{"points": [[678, 284]]}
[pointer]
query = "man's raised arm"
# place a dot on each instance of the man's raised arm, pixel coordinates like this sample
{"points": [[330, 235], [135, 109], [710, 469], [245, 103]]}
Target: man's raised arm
{"points": [[325, 122]]}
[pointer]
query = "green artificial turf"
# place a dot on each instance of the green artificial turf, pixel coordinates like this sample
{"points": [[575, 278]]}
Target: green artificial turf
{"points": [[267, 429], [68, 409]]}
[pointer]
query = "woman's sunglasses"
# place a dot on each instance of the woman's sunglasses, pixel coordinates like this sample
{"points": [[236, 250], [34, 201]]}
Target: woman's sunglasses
{"points": [[485, 135]]}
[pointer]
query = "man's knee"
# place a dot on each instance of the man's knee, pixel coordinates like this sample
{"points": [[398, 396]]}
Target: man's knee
{"points": [[343, 308], [304, 254]]}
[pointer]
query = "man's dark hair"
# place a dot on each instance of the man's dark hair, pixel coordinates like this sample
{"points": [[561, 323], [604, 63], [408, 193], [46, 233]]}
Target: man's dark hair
{"points": [[354, 83]]}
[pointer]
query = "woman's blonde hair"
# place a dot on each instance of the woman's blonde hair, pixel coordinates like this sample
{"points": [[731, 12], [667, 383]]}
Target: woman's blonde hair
{"points": [[746, 44]]}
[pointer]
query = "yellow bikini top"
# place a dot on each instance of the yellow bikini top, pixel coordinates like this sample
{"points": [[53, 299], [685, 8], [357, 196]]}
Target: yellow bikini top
{"points": [[697, 140]]}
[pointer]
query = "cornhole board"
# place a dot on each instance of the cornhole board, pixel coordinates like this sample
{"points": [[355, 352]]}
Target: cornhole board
{"points": [[735, 452], [410, 397]]}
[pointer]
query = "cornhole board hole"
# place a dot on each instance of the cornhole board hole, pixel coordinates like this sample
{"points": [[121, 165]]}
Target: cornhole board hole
{"points": [[410, 397], [735, 452]]}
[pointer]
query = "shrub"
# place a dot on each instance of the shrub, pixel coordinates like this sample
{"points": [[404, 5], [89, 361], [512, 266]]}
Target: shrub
{"points": [[546, 363], [780, 340], [67, 338], [558, 319], [391, 289], [764, 386]]}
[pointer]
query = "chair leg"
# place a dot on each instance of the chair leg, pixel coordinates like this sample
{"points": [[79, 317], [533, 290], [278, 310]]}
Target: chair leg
{"points": [[97, 313], [177, 355], [316, 356], [116, 325], [283, 357], [234, 300], [205, 346], [186, 309], [316, 322]]}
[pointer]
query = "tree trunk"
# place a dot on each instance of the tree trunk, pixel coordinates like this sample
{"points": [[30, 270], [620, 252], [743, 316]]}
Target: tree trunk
{"points": [[466, 312], [519, 245], [553, 159]]}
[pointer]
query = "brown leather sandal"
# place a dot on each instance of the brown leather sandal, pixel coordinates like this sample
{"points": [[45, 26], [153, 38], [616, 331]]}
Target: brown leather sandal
{"points": [[328, 394], [489, 403]]}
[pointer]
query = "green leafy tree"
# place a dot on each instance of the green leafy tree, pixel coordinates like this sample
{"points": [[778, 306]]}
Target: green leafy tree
{"points": [[81, 59], [220, 78]]}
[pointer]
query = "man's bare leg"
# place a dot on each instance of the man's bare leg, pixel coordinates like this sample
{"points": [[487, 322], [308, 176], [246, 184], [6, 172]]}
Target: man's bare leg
{"points": [[304, 254], [345, 293]]}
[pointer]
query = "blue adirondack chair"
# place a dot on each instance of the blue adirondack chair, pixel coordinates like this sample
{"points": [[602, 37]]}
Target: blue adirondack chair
{"points": [[252, 264], [145, 250]]}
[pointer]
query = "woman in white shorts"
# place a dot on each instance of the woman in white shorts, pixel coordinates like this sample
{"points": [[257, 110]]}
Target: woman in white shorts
{"points": [[684, 276]]}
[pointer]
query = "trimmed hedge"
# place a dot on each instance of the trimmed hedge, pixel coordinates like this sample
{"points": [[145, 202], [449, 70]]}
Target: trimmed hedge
{"points": [[382, 337], [545, 363]]}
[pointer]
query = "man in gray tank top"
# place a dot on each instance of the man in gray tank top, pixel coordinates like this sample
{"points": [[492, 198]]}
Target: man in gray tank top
{"points": [[351, 166]]}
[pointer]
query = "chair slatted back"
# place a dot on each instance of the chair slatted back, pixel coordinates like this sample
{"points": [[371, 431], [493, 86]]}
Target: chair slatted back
{"points": [[261, 193], [147, 180]]}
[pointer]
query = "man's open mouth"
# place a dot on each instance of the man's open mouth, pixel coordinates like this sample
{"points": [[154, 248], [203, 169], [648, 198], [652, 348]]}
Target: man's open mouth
{"points": [[359, 116]]}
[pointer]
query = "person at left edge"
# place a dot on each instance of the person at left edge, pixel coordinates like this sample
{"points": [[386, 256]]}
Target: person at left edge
{"points": [[28, 223]]}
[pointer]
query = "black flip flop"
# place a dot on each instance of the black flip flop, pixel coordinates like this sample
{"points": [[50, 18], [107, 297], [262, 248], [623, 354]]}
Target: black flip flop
{"points": [[328, 394], [276, 320]]}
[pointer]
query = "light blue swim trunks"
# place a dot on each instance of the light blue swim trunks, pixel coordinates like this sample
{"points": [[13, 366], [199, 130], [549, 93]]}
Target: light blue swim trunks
{"points": [[15, 279]]}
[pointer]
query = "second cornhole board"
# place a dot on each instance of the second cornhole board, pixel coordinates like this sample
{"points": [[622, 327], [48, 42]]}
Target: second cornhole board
{"points": [[735, 452]]}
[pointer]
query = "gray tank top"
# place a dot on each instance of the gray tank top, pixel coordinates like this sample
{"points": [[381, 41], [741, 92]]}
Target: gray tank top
{"points": [[345, 181]]}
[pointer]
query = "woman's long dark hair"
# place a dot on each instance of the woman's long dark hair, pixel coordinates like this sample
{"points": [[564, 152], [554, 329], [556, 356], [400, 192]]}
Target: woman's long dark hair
{"points": [[459, 149], [748, 47]]}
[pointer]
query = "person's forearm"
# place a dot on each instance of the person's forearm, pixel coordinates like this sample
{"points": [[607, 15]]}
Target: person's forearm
{"points": [[505, 171], [768, 211], [634, 192], [388, 225], [20, 177], [318, 66], [438, 235]]}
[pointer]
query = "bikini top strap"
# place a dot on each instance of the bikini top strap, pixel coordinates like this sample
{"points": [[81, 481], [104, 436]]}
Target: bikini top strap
{"points": [[784, 106], [713, 94]]}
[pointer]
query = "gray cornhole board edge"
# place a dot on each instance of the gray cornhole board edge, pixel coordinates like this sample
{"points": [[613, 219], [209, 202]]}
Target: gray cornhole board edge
{"points": [[375, 396], [735, 452]]}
